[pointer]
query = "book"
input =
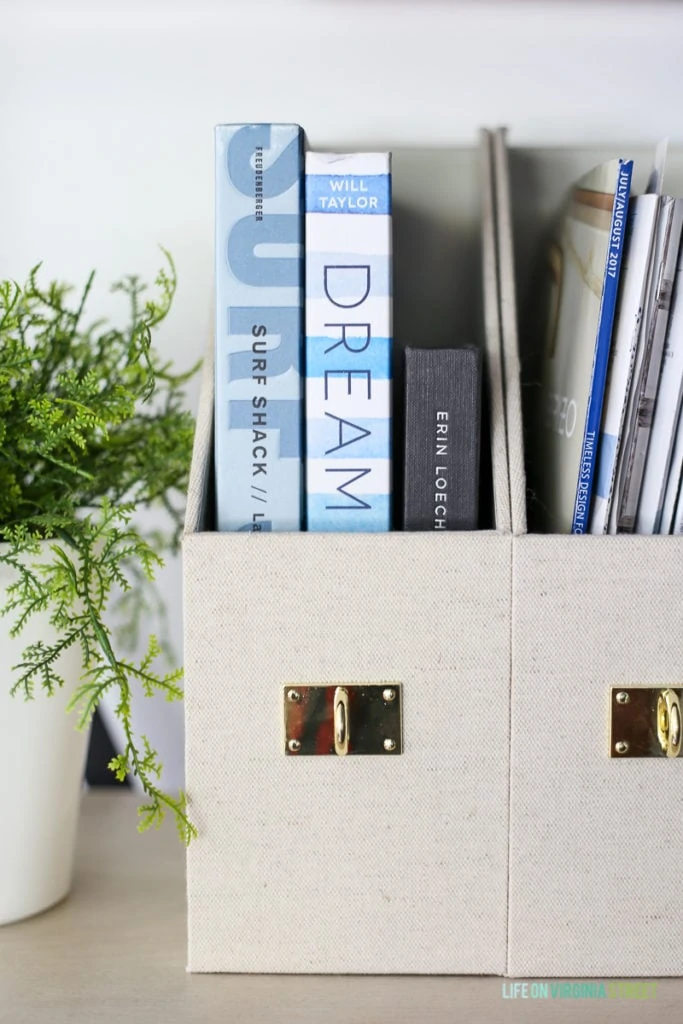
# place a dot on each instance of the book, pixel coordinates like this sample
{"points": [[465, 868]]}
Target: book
{"points": [[259, 327], [583, 268], [442, 438], [666, 415], [648, 366], [640, 234], [348, 342]]}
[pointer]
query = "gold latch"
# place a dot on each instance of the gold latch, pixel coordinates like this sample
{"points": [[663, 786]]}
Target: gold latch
{"points": [[645, 722], [348, 718]]}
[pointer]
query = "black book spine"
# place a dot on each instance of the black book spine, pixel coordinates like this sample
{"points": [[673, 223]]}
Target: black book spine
{"points": [[442, 438]]}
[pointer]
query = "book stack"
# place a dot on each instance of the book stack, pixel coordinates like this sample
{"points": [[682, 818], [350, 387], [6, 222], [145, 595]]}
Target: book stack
{"points": [[609, 425], [304, 367]]}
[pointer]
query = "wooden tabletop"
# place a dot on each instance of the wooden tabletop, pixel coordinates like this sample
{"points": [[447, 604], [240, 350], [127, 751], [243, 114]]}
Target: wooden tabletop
{"points": [[114, 951]]}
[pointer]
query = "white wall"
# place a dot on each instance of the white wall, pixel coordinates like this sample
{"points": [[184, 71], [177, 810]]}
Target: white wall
{"points": [[107, 109]]}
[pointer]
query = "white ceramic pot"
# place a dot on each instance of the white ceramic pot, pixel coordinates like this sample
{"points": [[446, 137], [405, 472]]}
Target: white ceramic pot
{"points": [[42, 758]]}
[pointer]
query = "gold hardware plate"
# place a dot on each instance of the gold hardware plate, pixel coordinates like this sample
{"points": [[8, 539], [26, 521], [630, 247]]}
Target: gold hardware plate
{"points": [[344, 719], [645, 721]]}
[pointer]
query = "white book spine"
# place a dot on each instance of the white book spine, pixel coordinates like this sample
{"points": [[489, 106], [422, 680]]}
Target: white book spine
{"points": [[634, 275], [667, 408]]}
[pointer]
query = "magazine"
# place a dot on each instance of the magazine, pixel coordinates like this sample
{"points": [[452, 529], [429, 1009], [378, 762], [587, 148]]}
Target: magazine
{"points": [[583, 270]]}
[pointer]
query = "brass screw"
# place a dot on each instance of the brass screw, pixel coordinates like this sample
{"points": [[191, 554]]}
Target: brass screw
{"points": [[623, 697], [621, 746], [294, 696], [388, 695], [294, 745], [389, 744]]}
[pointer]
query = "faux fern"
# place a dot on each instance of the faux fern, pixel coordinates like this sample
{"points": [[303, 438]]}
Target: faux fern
{"points": [[92, 427]]}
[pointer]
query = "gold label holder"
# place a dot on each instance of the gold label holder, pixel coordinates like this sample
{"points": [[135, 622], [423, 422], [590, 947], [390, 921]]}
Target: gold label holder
{"points": [[645, 721], [343, 719]]}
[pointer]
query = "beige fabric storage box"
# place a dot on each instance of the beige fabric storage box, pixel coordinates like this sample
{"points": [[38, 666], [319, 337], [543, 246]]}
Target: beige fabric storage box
{"points": [[356, 864], [596, 843], [504, 839]]}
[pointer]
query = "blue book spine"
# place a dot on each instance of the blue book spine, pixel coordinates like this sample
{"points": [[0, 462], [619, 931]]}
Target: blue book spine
{"points": [[608, 301], [259, 327], [348, 342]]}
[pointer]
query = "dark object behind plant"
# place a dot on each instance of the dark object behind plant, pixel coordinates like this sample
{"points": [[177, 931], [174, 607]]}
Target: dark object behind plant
{"points": [[100, 753], [92, 427]]}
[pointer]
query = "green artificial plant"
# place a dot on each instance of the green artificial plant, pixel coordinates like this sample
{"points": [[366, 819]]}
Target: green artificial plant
{"points": [[92, 428]]}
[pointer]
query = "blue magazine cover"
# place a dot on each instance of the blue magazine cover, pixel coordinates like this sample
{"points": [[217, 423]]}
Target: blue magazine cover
{"points": [[583, 268]]}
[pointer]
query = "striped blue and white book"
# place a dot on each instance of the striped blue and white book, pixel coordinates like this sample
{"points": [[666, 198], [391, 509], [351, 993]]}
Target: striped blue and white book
{"points": [[348, 342], [259, 327]]}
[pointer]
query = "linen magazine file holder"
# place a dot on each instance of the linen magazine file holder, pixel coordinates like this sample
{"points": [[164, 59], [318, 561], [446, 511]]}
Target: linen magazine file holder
{"points": [[596, 842], [358, 864]]}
